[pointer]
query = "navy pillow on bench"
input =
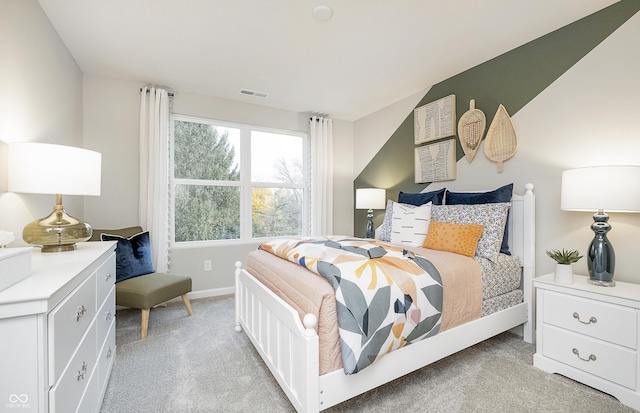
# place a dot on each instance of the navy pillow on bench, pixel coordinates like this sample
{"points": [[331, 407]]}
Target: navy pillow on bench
{"points": [[133, 255]]}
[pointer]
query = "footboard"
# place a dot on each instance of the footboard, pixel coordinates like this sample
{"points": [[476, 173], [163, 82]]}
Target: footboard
{"points": [[288, 348]]}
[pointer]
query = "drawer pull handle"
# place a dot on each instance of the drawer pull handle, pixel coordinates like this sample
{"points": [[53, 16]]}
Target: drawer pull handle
{"points": [[80, 312], [83, 371], [592, 320], [592, 357]]}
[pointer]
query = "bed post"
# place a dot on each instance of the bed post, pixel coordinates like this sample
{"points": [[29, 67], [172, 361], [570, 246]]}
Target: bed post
{"points": [[529, 260], [237, 301]]}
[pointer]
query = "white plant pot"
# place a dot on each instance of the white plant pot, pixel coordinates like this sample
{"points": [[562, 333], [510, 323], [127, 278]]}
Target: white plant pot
{"points": [[563, 274]]}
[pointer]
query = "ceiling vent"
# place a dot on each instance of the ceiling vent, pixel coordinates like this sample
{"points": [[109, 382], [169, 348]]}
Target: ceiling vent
{"points": [[253, 93]]}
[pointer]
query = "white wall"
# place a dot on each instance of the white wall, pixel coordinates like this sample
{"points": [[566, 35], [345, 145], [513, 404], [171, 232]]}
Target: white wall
{"points": [[111, 110], [40, 101], [343, 177], [586, 117], [111, 125]]}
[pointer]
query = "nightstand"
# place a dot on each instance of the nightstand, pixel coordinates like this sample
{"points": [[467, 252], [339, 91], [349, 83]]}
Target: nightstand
{"points": [[590, 334]]}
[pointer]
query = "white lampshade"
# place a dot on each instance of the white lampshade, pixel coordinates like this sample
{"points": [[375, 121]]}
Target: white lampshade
{"points": [[370, 198], [41, 168], [607, 188]]}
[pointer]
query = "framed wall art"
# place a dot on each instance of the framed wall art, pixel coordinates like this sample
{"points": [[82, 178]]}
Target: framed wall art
{"points": [[435, 120], [435, 162]]}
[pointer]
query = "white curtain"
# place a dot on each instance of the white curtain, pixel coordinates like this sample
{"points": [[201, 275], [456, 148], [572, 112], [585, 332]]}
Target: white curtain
{"points": [[154, 172], [321, 133]]}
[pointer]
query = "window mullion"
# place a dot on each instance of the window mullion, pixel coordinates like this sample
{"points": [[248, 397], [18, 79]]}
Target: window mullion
{"points": [[206, 182], [245, 187]]}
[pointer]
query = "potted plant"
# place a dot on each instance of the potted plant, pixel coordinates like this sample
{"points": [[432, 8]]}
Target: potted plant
{"points": [[564, 259]]}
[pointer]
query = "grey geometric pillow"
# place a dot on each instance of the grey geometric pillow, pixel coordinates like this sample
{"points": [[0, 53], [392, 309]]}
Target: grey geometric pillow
{"points": [[384, 234], [492, 216]]}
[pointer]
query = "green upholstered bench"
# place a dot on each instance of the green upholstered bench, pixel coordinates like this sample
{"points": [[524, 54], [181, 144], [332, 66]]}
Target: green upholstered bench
{"points": [[146, 291]]}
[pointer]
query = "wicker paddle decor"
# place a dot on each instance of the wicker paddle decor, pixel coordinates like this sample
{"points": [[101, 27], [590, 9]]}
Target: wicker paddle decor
{"points": [[471, 129], [501, 142]]}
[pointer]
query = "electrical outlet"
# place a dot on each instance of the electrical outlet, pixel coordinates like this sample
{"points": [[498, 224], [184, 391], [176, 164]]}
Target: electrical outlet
{"points": [[207, 265]]}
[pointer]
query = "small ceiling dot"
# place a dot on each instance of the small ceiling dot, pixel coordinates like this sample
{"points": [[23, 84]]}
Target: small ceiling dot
{"points": [[322, 12]]}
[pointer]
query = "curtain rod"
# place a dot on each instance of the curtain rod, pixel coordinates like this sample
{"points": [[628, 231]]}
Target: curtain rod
{"points": [[170, 94]]}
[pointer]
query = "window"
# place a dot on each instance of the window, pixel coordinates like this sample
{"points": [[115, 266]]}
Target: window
{"points": [[237, 182]]}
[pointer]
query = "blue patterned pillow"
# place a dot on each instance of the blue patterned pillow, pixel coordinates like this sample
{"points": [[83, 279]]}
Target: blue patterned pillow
{"points": [[133, 255], [502, 194], [422, 198]]}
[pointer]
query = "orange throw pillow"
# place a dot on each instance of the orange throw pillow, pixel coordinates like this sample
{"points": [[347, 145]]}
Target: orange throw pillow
{"points": [[458, 238]]}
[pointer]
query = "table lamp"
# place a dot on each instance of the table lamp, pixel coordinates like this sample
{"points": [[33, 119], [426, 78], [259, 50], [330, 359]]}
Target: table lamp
{"points": [[600, 189], [370, 199], [40, 168]]}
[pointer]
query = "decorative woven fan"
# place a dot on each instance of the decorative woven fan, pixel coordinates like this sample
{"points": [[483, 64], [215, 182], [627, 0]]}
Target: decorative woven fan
{"points": [[501, 142], [470, 130]]}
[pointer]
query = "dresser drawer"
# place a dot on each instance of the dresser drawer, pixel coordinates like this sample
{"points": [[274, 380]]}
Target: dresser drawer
{"points": [[107, 356], [106, 317], [608, 361], [67, 392], [67, 323], [593, 318], [105, 278], [91, 396]]}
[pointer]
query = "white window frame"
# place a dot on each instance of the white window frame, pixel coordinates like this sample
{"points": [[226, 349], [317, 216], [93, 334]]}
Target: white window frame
{"points": [[245, 184]]}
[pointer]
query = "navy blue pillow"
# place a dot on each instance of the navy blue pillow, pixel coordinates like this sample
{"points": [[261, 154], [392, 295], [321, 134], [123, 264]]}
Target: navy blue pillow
{"points": [[133, 255], [422, 198], [502, 194]]}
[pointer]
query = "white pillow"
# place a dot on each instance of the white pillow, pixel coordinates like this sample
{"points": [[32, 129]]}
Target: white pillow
{"points": [[410, 224]]}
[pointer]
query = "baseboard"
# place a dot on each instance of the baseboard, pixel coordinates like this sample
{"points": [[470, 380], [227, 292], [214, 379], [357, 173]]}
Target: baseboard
{"points": [[194, 295], [214, 292]]}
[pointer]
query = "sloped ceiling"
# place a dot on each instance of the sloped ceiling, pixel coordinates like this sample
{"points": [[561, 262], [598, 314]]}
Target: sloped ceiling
{"points": [[369, 54]]}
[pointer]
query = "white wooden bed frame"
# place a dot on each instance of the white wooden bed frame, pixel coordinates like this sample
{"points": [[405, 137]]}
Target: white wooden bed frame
{"points": [[290, 349]]}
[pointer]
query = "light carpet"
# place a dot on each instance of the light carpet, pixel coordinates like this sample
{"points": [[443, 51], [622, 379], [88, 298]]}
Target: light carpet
{"points": [[200, 364]]}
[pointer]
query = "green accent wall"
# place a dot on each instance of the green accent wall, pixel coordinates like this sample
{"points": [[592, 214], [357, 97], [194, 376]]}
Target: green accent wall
{"points": [[512, 79]]}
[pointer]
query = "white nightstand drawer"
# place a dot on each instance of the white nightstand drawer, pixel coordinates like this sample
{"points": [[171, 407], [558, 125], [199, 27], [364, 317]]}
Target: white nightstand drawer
{"points": [[67, 323], [608, 361], [593, 318]]}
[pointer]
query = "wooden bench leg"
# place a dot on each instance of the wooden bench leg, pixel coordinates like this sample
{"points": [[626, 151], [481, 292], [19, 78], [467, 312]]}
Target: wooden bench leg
{"points": [[145, 322], [187, 303]]}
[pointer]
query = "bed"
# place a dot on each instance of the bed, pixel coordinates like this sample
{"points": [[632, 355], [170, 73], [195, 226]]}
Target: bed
{"points": [[289, 341]]}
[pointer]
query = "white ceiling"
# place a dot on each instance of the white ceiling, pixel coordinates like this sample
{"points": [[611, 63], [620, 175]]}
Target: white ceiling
{"points": [[369, 54]]}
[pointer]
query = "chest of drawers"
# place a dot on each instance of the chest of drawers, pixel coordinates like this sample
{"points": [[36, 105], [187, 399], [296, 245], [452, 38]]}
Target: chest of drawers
{"points": [[57, 332], [590, 334]]}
